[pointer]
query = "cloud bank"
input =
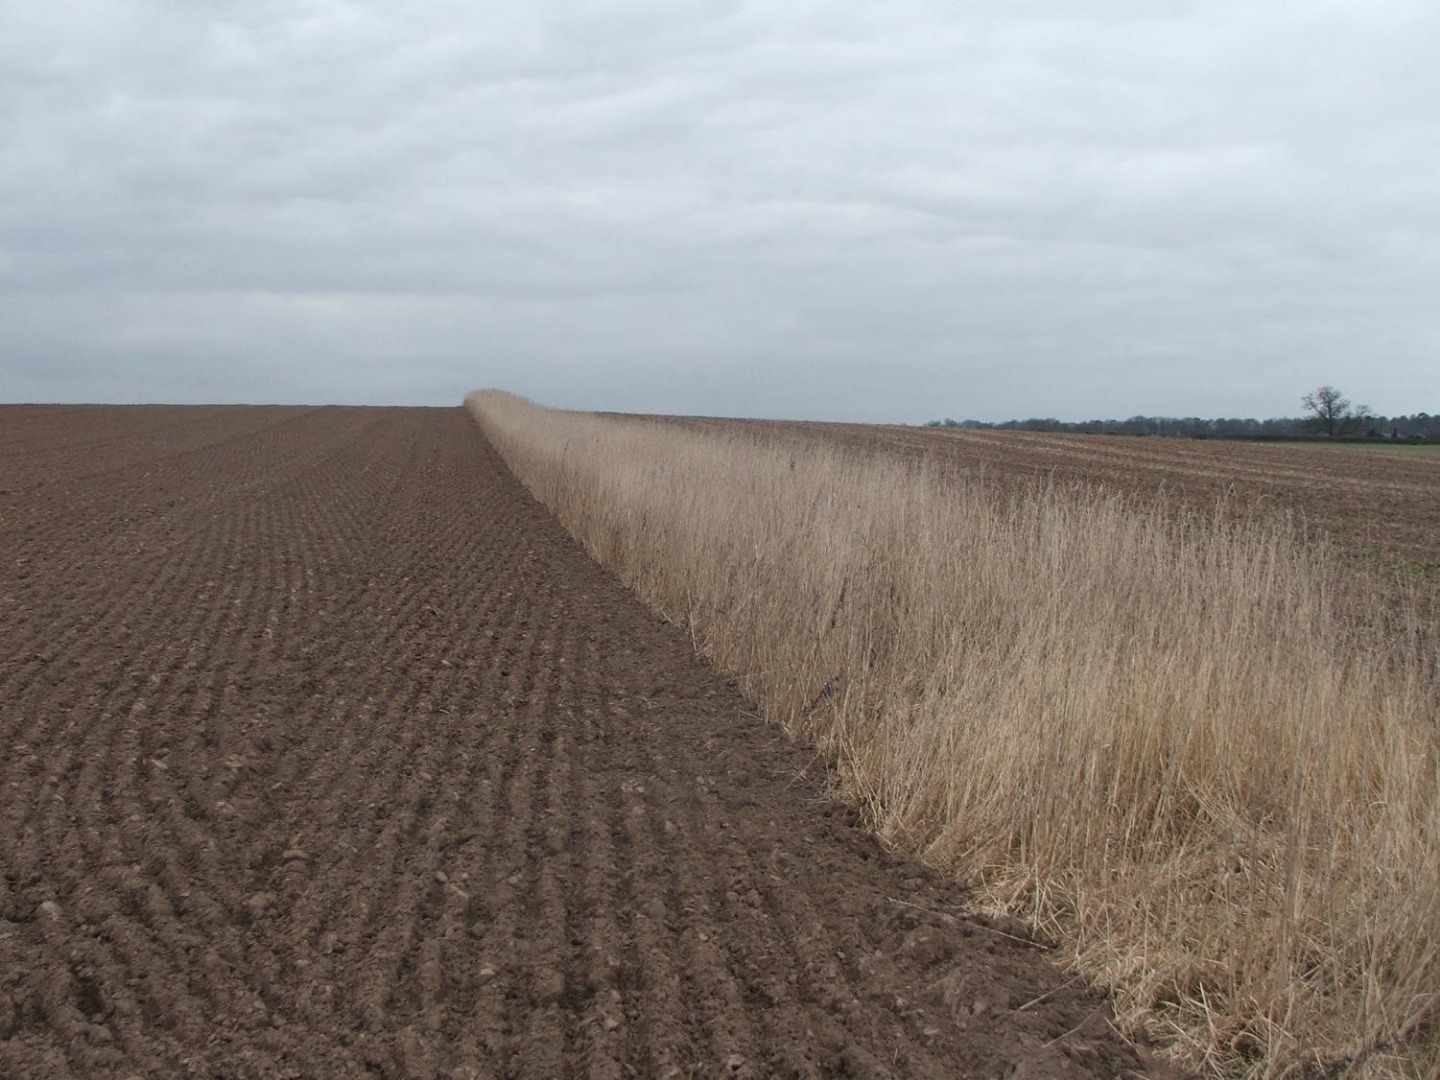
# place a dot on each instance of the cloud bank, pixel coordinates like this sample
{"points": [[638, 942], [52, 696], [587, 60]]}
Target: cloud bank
{"points": [[835, 210]]}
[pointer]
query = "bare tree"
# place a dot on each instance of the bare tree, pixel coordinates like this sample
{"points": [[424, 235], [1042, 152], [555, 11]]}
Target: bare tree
{"points": [[1364, 419], [1328, 406]]}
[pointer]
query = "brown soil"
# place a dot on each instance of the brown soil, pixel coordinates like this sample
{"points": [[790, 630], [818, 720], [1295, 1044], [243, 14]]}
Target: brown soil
{"points": [[328, 753]]}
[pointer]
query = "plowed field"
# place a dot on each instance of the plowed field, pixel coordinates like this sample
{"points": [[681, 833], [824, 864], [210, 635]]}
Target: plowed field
{"points": [[326, 752], [1381, 502]]}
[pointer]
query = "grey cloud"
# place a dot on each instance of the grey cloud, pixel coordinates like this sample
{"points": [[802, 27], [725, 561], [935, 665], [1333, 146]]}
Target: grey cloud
{"points": [[842, 209]]}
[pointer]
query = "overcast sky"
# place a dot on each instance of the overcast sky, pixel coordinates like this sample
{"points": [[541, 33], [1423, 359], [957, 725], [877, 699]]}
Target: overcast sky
{"points": [[845, 210]]}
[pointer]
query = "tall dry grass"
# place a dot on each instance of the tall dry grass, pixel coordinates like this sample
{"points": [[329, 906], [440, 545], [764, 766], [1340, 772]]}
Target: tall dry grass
{"points": [[1157, 737]]}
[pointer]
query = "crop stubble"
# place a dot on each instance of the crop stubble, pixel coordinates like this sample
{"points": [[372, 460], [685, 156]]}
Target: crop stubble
{"points": [[326, 750]]}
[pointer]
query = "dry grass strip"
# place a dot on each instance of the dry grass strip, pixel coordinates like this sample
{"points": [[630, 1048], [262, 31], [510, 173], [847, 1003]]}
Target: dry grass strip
{"points": [[1158, 737]]}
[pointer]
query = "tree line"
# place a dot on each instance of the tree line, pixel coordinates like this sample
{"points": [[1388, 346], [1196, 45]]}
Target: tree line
{"points": [[1329, 415]]}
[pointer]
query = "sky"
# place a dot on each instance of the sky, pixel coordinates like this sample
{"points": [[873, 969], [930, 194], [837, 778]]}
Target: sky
{"points": [[831, 210]]}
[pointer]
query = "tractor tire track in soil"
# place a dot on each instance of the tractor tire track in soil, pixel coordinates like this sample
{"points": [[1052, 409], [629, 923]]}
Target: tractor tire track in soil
{"points": [[328, 753]]}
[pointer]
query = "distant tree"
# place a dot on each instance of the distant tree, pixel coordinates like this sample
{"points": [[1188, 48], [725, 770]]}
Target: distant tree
{"points": [[1365, 420], [1328, 406], [1328, 411]]}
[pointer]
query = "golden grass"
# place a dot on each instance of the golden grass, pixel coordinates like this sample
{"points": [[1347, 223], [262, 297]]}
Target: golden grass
{"points": [[1158, 737]]}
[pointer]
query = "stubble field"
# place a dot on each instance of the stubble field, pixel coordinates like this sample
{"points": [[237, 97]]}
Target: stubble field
{"points": [[326, 751]]}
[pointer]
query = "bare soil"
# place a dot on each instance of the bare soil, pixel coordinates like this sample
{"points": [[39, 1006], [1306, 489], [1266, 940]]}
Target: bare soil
{"points": [[326, 752]]}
